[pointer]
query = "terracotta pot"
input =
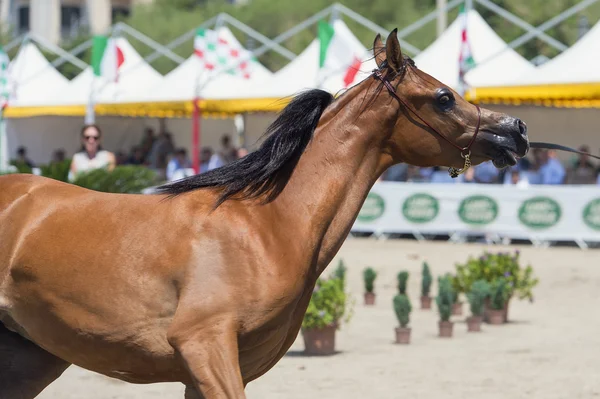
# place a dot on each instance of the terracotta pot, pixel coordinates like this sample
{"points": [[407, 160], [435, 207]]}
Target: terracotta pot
{"points": [[496, 316], [403, 335], [319, 341], [445, 328], [457, 309], [474, 323], [369, 298], [506, 310], [425, 302]]}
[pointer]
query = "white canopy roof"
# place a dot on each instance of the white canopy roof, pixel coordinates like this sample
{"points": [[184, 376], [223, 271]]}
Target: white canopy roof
{"points": [[135, 76], [180, 83], [303, 72], [32, 79], [440, 59], [580, 63]]}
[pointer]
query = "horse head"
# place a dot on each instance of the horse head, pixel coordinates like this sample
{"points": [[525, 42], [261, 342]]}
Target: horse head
{"points": [[459, 134]]}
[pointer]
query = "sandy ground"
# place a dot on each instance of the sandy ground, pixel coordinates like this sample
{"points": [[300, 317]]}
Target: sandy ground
{"points": [[549, 350]]}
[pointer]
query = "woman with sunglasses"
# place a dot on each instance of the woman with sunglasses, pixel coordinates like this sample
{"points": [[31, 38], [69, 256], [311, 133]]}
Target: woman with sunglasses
{"points": [[91, 156]]}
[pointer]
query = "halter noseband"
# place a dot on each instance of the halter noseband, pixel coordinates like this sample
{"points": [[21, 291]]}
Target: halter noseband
{"points": [[465, 152]]}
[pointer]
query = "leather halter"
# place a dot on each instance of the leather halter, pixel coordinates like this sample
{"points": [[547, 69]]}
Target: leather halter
{"points": [[465, 152]]}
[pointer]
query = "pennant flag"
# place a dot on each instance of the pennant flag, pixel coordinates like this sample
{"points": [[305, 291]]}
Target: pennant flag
{"points": [[107, 57], [216, 53], [4, 89], [465, 58], [336, 54]]}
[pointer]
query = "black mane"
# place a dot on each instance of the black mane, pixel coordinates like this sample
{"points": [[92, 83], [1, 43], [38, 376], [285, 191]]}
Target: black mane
{"points": [[267, 170]]}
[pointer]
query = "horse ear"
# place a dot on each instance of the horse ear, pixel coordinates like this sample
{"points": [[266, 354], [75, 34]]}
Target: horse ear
{"points": [[378, 50], [393, 51]]}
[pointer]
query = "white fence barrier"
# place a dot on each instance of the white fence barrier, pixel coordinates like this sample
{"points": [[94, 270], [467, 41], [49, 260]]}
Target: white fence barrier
{"points": [[535, 213]]}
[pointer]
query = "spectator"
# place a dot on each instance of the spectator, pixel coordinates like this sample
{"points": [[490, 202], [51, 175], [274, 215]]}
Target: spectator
{"points": [[583, 171], [179, 166], [162, 147], [551, 171], [486, 173], [22, 157], [136, 157], [468, 176], [441, 175], [227, 154], [517, 179], [147, 142], [396, 172], [91, 156], [58, 156], [205, 157]]}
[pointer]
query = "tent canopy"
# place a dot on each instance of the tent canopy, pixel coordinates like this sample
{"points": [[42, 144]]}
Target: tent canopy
{"points": [[33, 81], [498, 64], [571, 79]]}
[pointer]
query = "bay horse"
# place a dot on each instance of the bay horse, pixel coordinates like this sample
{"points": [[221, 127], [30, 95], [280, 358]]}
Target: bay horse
{"points": [[206, 282]]}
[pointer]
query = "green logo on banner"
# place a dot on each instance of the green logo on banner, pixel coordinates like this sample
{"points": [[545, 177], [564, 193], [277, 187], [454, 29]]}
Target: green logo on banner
{"points": [[591, 214], [539, 212], [372, 209], [478, 210], [420, 208]]}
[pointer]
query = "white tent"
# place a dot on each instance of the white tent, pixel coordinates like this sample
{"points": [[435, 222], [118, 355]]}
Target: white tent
{"points": [[135, 76], [580, 63], [180, 83], [32, 79], [303, 72], [498, 64]]}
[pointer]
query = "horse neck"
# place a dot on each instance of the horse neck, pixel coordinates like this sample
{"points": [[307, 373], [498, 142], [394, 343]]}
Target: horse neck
{"points": [[334, 175]]}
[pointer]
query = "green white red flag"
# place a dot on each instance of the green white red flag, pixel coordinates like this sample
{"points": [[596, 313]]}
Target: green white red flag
{"points": [[107, 58], [466, 61], [216, 53], [336, 54]]}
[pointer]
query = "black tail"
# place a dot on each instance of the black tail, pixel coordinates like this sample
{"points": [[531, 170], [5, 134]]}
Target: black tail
{"points": [[267, 170]]}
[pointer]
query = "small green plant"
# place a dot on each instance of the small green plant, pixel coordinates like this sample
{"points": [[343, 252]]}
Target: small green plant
{"points": [[130, 179], [445, 298], [479, 291], [490, 266], [402, 281], [426, 280], [402, 307], [328, 305], [369, 276], [57, 170], [340, 272], [498, 293]]}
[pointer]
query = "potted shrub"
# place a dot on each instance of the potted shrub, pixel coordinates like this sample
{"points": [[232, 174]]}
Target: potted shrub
{"points": [[326, 309], [402, 281], [444, 301], [426, 280], [476, 297], [490, 266], [402, 307], [457, 288], [369, 276], [498, 299]]}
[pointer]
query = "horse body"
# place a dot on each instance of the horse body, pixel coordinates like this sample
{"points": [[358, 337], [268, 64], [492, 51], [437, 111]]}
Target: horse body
{"points": [[134, 297], [170, 287]]}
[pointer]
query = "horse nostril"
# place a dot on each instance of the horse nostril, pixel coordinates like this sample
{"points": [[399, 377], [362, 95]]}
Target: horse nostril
{"points": [[522, 127]]}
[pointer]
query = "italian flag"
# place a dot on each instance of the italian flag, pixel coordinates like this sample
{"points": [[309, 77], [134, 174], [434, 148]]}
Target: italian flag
{"points": [[216, 53], [107, 58], [465, 57], [336, 54]]}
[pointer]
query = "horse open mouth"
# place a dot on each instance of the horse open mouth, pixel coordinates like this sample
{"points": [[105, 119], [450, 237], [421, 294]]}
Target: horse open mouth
{"points": [[505, 157]]}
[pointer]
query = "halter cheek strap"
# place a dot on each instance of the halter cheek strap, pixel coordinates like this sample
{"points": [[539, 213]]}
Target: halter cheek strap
{"points": [[465, 152]]}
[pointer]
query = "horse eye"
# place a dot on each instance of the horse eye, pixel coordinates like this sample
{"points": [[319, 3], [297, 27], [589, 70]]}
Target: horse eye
{"points": [[444, 99]]}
